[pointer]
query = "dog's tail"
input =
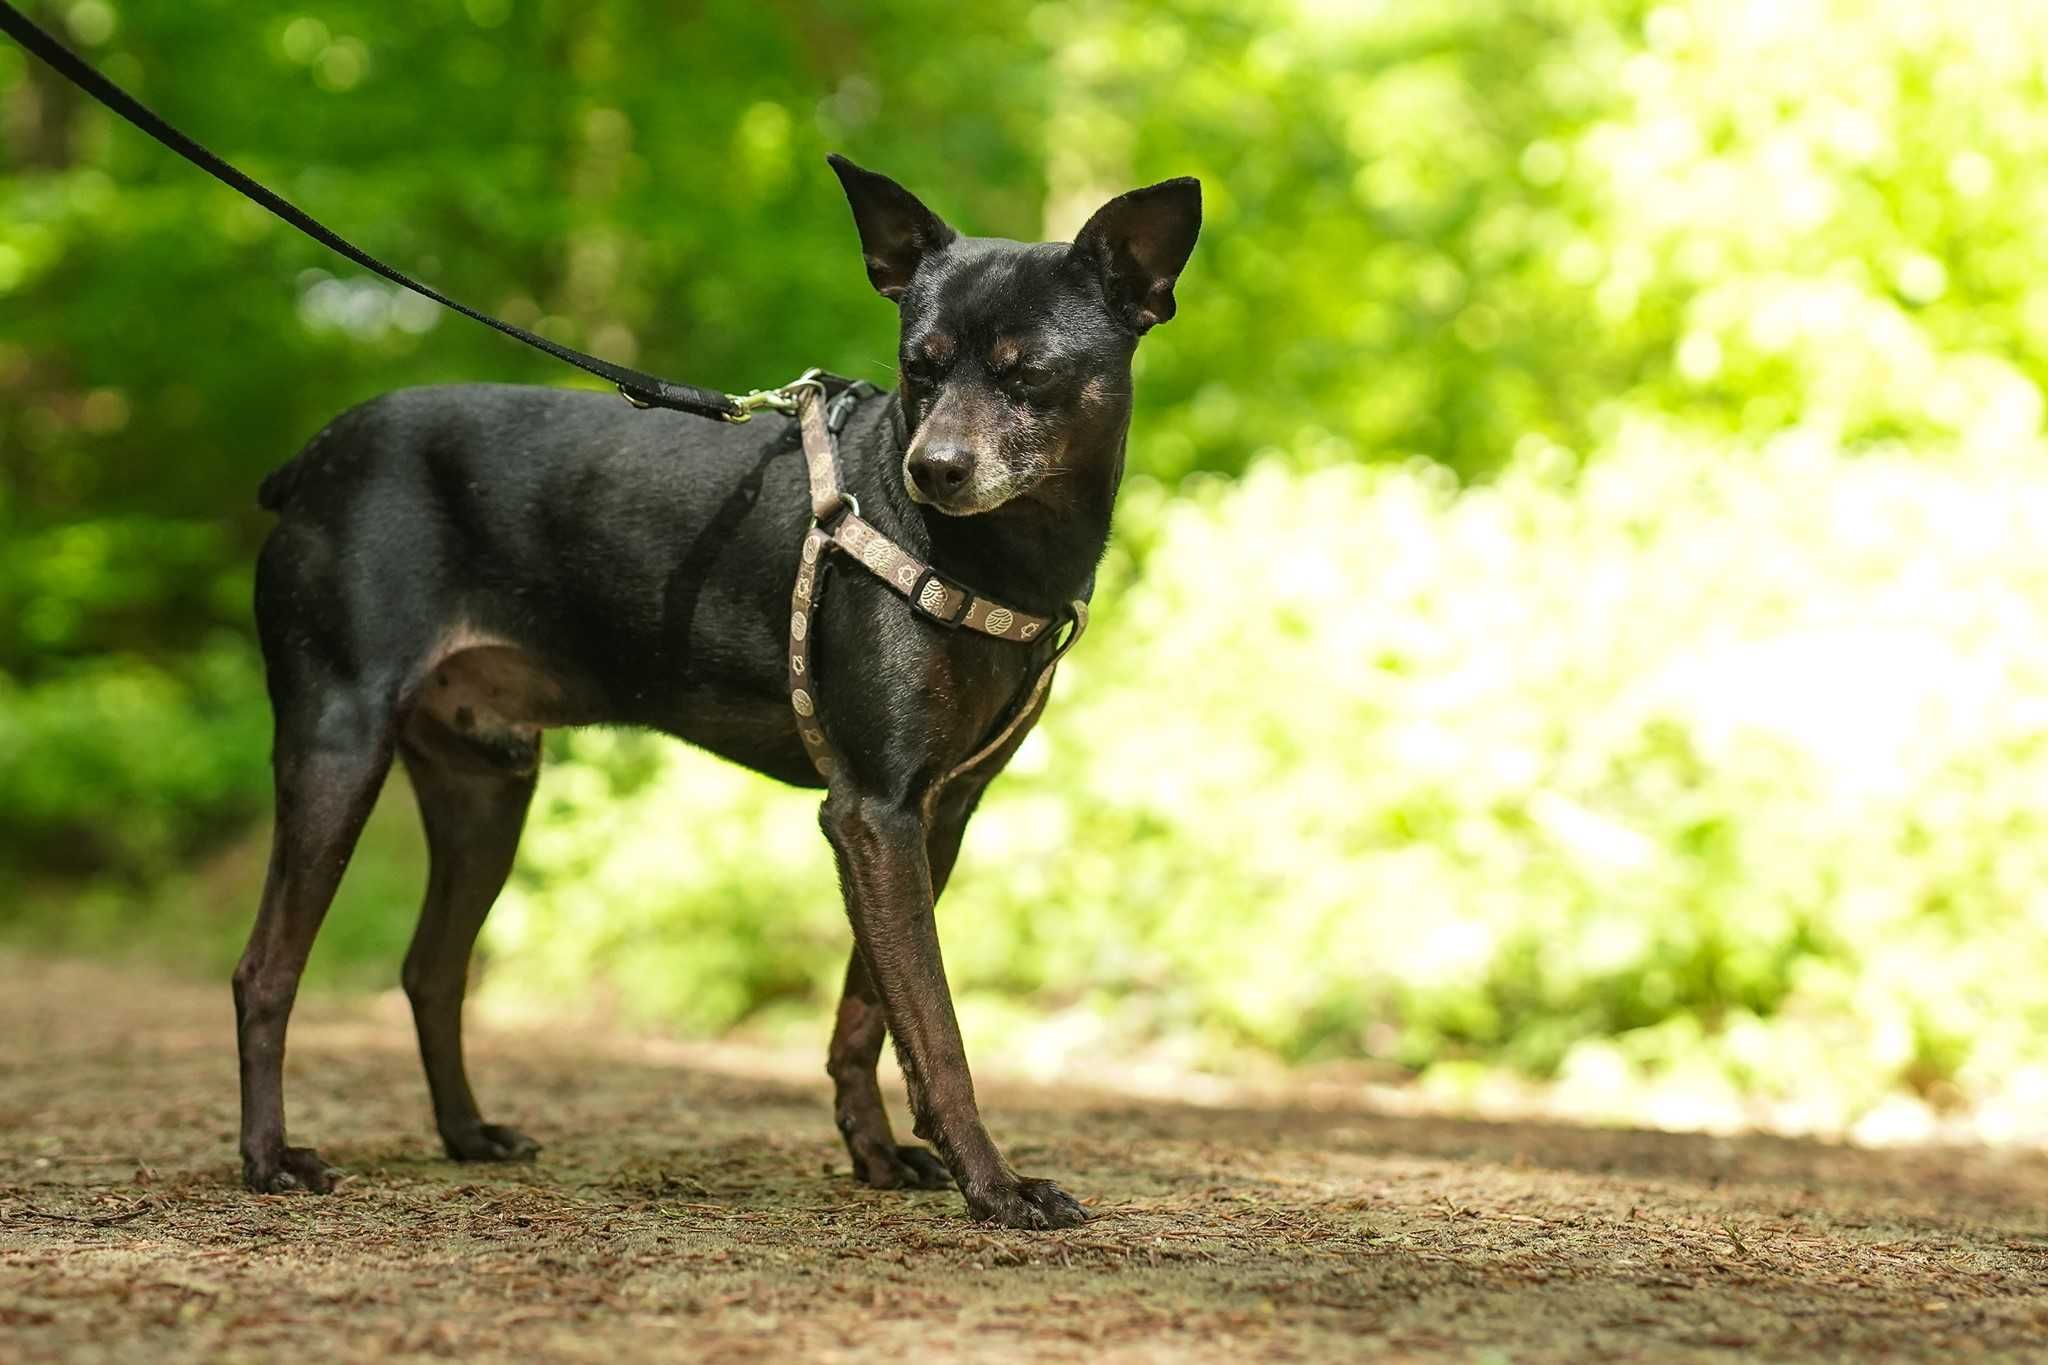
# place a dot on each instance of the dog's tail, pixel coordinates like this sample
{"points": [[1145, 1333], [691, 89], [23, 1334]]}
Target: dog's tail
{"points": [[276, 488], [280, 483]]}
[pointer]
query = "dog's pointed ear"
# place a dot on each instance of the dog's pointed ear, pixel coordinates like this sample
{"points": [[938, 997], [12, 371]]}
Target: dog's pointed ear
{"points": [[1139, 243], [896, 231]]}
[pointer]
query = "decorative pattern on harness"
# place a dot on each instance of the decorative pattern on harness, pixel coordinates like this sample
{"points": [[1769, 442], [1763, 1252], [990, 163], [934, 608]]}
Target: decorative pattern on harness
{"points": [[838, 525]]}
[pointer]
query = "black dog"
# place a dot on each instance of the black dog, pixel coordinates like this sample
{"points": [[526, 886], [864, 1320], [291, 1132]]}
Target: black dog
{"points": [[455, 569]]}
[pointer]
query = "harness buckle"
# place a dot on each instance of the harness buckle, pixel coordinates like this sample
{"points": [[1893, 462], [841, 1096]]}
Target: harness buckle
{"points": [[923, 597]]}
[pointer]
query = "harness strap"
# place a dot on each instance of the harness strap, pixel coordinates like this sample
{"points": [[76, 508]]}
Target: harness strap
{"points": [[838, 525], [639, 388]]}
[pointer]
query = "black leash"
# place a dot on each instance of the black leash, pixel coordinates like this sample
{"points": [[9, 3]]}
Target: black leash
{"points": [[642, 390]]}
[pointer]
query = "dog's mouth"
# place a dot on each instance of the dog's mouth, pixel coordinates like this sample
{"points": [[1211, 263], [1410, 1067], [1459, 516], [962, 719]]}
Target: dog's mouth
{"points": [[976, 496]]}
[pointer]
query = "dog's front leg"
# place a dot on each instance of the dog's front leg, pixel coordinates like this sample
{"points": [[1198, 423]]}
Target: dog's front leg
{"points": [[880, 845]]}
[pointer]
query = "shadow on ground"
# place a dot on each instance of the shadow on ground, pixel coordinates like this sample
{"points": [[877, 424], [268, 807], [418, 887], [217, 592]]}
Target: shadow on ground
{"points": [[691, 1204]]}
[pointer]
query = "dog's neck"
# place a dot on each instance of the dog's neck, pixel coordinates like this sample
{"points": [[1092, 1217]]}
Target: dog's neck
{"points": [[1036, 553]]}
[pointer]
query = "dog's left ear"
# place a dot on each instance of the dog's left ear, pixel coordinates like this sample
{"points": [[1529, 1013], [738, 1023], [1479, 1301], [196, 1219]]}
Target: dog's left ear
{"points": [[1139, 243], [896, 230]]}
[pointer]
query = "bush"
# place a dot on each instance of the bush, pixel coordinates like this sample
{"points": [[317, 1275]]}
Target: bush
{"points": [[125, 765], [1672, 763]]}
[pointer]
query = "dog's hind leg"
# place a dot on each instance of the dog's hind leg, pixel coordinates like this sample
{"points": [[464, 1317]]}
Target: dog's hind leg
{"points": [[473, 802], [857, 1034], [330, 759]]}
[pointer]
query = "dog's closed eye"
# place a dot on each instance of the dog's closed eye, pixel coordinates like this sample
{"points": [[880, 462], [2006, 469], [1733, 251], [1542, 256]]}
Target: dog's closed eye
{"points": [[1031, 380]]}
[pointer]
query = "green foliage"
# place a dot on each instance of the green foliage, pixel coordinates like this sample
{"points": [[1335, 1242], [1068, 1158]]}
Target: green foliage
{"points": [[125, 763], [605, 172], [1671, 759]]}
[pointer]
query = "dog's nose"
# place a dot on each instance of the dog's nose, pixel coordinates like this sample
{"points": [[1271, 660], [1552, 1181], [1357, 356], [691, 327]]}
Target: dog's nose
{"points": [[941, 470]]}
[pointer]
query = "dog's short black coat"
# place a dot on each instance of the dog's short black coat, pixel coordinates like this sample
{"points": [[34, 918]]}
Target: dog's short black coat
{"points": [[456, 569]]}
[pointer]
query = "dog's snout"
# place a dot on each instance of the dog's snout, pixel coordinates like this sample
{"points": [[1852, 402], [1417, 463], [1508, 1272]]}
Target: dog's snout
{"points": [[940, 471]]}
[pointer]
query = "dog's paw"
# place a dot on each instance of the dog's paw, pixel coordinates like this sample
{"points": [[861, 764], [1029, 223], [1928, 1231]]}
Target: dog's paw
{"points": [[490, 1142], [886, 1166], [1034, 1205], [293, 1170]]}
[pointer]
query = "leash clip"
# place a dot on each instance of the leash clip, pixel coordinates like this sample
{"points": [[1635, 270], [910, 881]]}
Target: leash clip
{"points": [[785, 399], [745, 405]]}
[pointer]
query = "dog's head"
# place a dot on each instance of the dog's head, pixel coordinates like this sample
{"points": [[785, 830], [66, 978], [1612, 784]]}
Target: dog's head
{"points": [[1015, 358]]}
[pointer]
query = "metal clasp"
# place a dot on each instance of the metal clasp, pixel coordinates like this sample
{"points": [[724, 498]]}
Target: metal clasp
{"points": [[847, 506], [784, 399], [745, 405]]}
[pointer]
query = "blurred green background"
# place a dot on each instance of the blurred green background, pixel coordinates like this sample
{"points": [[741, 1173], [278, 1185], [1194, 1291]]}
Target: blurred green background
{"points": [[1579, 613]]}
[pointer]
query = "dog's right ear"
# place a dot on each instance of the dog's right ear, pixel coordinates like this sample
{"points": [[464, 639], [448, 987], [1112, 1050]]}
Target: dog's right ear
{"points": [[896, 231]]}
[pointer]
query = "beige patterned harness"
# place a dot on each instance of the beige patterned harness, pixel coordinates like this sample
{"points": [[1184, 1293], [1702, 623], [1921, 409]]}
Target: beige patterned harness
{"points": [[836, 524]]}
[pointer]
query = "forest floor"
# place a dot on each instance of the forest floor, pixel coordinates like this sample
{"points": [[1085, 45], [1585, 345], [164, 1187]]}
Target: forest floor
{"points": [[693, 1202]]}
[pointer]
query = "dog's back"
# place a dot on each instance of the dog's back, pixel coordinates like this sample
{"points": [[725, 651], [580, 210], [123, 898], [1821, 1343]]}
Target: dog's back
{"points": [[608, 543]]}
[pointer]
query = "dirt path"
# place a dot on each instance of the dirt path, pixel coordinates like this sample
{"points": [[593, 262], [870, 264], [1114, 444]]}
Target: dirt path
{"points": [[686, 1208]]}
